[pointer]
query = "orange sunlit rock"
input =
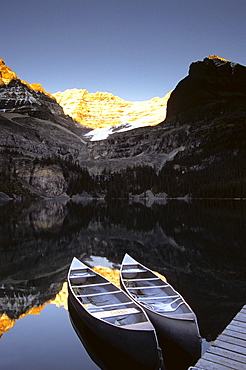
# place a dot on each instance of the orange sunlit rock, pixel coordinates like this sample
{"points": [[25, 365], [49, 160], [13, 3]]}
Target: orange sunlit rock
{"points": [[161, 276], [108, 273], [5, 324], [60, 299], [101, 109], [7, 75], [216, 57]]}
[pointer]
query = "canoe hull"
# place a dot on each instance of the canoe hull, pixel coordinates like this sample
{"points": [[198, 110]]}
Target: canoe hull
{"points": [[179, 327], [129, 341], [183, 332], [104, 355]]}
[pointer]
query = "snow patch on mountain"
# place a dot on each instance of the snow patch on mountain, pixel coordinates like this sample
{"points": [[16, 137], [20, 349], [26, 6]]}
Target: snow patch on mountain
{"points": [[103, 133]]}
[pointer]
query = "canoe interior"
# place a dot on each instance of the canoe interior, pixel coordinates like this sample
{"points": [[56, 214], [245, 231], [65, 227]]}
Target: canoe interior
{"points": [[104, 300], [151, 291]]}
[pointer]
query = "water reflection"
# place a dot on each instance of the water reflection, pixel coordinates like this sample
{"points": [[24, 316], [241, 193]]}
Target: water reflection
{"points": [[15, 305], [198, 246]]}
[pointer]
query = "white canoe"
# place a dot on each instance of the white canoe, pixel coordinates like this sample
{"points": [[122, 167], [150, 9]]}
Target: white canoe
{"points": [[113, 315], [171, 316]]}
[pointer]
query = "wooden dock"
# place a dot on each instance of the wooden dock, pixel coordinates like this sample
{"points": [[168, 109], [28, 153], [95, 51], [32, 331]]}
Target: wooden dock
{"points": [[229, 349]]}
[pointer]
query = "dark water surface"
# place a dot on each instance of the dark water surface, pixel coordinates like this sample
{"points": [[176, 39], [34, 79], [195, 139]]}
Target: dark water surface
{"points": [[200, 247]]}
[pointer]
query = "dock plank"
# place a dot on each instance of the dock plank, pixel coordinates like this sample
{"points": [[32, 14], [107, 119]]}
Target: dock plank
{"points": [[204, 364], [240, 324], [241, 317], [229, 349], [237, 328], [233, 340], [213, 362], [226, 353], [234, 334]]}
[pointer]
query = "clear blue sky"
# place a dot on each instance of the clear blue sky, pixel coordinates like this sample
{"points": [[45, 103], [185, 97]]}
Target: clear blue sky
{"points": [[135, 49]]}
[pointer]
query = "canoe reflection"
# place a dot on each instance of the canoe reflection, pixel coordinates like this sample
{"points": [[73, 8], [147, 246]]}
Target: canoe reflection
{"points": [[106, 356]]}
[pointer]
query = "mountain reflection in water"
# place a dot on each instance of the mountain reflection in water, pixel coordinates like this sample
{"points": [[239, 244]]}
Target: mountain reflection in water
{"points": [[199, 247]]}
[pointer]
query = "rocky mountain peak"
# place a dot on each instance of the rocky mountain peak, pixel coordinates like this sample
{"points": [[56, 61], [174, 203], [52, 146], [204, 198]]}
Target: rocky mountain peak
{"points": [[20, 96], [213, 87], [7, 75], [216, 57]]}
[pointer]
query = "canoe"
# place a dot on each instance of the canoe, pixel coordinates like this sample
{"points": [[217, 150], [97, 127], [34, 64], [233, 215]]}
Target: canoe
{"points": [[112, 315], [104, 355], [171, 316]]}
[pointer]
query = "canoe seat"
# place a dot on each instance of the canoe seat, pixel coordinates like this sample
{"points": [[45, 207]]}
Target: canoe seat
{"points": [[119, 312], [93, 307]]}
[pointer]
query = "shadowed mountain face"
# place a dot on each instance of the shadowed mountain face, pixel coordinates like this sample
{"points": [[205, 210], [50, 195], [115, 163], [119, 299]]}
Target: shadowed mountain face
{"points": [[198, 150], [214, 87]]}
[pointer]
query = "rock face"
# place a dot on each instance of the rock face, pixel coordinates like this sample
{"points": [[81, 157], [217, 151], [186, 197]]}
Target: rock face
{"points": [[48, 180], [100, 109]]}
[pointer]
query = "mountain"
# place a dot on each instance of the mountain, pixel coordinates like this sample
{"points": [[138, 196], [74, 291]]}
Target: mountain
{"points": [[198, 150], [106, 114]]}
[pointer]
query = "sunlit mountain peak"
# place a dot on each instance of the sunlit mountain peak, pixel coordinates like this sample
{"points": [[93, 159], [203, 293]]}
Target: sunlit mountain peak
{"points": [[216, 57]]}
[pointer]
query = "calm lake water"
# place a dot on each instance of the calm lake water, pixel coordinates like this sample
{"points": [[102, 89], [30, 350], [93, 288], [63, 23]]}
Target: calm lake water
{"points": [[199, 246]]}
